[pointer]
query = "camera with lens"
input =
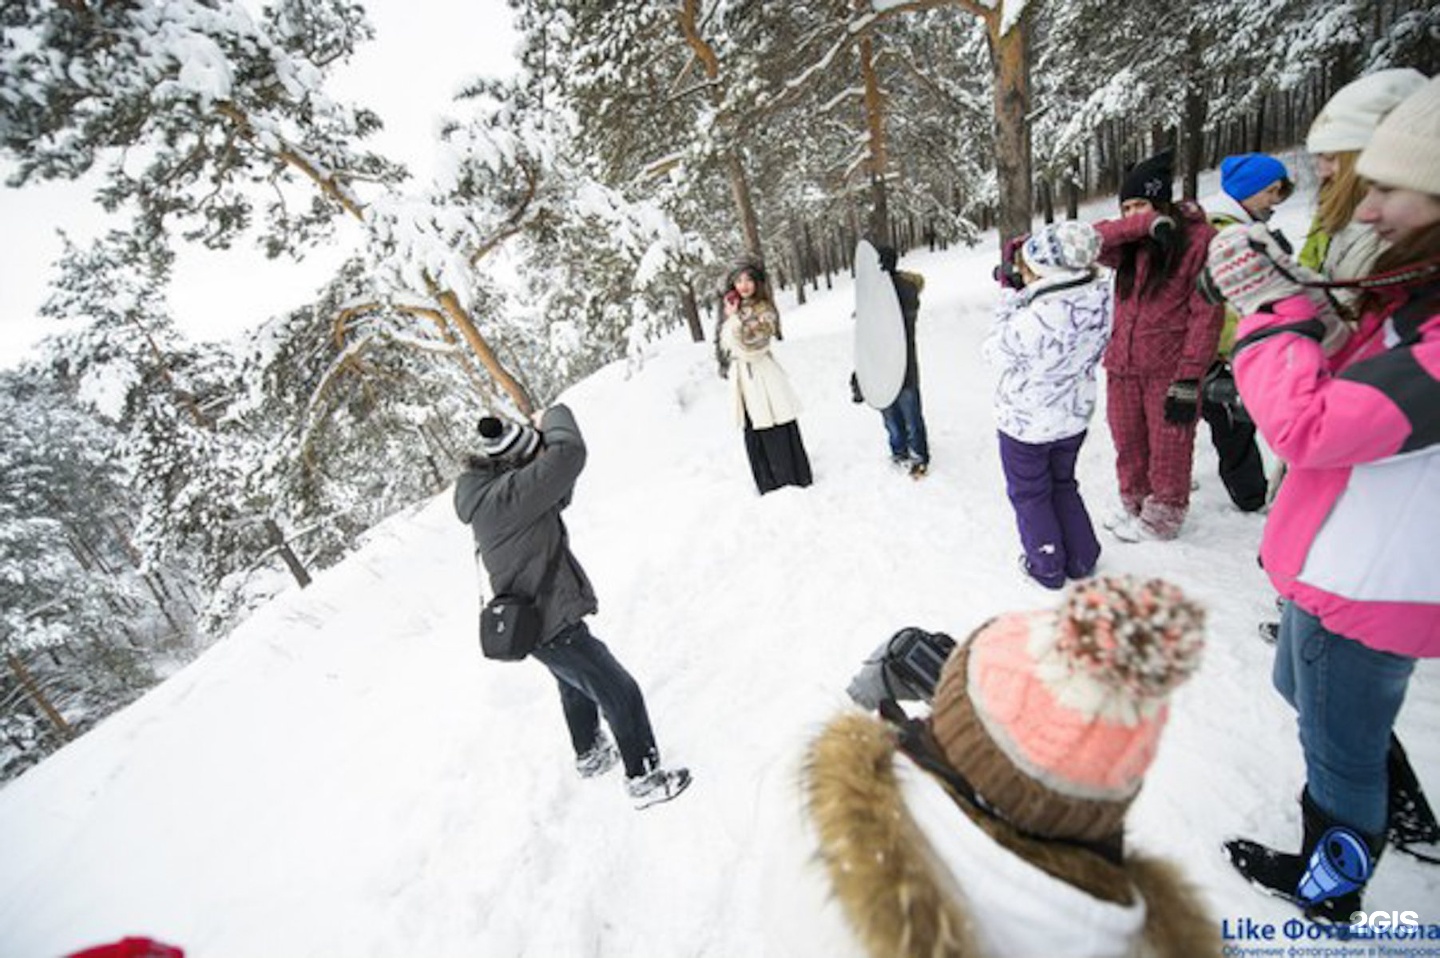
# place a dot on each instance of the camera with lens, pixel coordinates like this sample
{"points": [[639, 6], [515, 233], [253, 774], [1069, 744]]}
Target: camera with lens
{"points": [[1208, 290], [1218, 388], [906, 667], [1007, 273]]}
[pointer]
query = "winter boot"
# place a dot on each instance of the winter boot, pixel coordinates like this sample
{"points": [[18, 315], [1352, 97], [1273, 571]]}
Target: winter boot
{"points": [[659, 785], [1054, 585], [1118, 516], [1134, 529], [599, 758], [919, 470], [1328, 875], [1412, 820]]}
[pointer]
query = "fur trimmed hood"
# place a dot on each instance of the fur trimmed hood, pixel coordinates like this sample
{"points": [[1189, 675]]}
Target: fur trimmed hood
{"points": [[906, 896]]}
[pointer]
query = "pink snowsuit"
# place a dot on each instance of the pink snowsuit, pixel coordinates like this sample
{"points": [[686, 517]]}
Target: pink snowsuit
{"points": [[1351, 536], [1158, 338]]}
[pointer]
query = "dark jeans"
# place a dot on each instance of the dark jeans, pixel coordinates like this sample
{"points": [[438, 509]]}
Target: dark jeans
{"points": [[592, 682], [905, 423], [1242, 469], [1054, 525]]}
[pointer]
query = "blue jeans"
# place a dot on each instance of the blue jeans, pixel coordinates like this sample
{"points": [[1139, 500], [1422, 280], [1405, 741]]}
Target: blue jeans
{"points": [[591, 682], [905, 422], [1346, 696]]}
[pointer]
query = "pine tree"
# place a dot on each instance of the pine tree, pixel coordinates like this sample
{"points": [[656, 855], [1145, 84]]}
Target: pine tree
{"points": [[75, 623]]}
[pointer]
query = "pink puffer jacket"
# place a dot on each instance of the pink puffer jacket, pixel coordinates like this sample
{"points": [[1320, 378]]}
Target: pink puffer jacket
{"points": [[1351, 536]]}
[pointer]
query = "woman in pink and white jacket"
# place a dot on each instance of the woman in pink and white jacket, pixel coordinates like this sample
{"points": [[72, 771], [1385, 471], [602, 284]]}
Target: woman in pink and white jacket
{"points": [[1350, 540]]}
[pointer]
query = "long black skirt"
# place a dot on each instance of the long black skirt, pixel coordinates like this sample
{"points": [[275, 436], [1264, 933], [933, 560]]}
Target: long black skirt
{"points": [[777, 456]]}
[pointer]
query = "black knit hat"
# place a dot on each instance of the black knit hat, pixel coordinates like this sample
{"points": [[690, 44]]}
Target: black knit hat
{"points": [[889, 259], [1150, 179], [507, 440]]}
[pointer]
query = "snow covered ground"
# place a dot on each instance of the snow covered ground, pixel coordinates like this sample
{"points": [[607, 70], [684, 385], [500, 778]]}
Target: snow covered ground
{"points": [[345, 775]]}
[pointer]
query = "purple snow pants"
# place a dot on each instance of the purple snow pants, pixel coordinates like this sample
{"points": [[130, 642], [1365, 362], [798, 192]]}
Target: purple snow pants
{"points": [[1055, 528]]}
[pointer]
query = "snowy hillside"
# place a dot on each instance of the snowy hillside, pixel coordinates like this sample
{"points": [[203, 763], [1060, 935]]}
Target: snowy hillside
{"points": [[346, 776]]}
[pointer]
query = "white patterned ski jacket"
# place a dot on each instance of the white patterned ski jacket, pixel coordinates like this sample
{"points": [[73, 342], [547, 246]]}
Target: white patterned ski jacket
{"points": [[1046, 341]]}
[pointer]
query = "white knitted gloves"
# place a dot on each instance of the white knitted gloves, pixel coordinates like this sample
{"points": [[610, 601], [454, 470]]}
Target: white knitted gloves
{"points": [[1250, 268]]}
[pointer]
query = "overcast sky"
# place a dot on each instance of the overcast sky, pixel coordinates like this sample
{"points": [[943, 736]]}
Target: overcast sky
{"points": [[422, 53]]}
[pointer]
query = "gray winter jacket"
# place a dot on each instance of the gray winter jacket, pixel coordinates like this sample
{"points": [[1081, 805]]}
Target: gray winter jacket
{"points": [[514, 514]]}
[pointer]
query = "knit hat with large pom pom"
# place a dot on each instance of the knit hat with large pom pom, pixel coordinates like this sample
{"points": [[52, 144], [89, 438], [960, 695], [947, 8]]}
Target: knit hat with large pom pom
{"points": [[1053, 717]]}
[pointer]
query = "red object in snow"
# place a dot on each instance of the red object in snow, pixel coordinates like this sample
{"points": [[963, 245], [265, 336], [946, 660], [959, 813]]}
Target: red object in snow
{"points": [[131, 948]]}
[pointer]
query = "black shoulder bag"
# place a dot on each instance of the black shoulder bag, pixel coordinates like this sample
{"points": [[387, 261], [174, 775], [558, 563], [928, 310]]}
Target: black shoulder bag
{"points": [[510, 623]]}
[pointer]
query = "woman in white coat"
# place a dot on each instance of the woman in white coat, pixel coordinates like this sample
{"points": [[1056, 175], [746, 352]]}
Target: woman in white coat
{"points": [[765, 404]]}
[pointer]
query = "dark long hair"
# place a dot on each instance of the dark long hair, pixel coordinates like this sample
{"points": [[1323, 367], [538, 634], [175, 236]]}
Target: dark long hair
{"points": [[1163, 258], [757, 272], [759, 276]]}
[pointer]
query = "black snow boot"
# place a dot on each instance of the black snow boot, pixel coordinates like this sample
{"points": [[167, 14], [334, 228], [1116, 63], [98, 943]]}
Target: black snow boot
{"points": [[1290, 875], [1412, 820]]}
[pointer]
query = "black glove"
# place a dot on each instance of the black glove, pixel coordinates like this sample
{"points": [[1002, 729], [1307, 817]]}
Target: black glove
{"points": [[1163, 231], [855, 394], [1182, 402]]}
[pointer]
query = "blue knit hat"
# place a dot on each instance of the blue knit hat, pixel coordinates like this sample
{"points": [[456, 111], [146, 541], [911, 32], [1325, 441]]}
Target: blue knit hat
{"points": [[1245, 175]]}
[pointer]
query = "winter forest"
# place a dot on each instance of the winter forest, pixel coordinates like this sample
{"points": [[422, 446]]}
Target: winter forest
{"points": [[156, 489]]}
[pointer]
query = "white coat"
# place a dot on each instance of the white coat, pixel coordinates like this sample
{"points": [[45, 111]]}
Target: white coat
{"points": [[760, 384]]}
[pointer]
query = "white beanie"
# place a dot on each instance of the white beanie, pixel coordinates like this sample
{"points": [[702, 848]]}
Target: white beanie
{"points": [[1065, 247], [1351, 115], [1404, 150]]}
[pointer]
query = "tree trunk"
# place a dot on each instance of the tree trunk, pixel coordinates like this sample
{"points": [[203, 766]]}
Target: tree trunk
{"points": [[874, 105], [1115, 168], [691, 309], [811, 259], [1011, 60], [740, 189], [799, 269], [277, 539], [1192, 134], [32, 688], [457, 314], [1072, 190]]}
